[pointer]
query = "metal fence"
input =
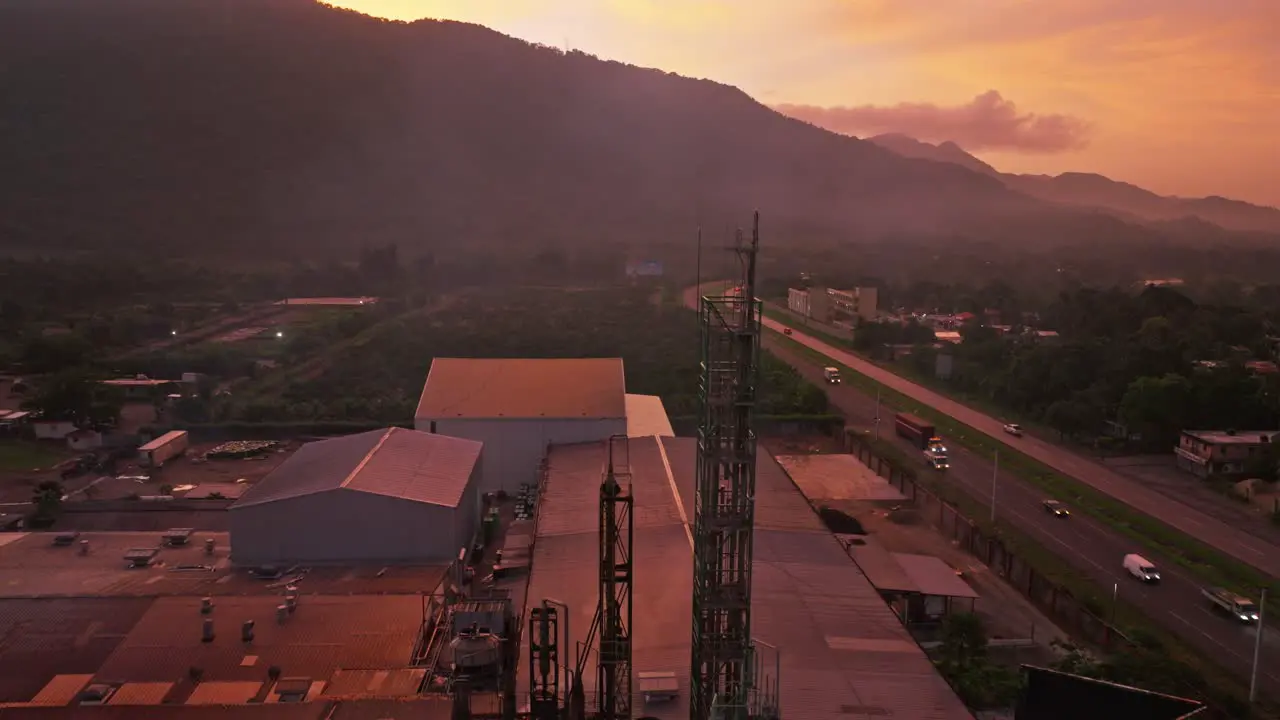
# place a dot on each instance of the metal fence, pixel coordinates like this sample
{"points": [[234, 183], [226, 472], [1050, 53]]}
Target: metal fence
{"points": [[1070, 613]]}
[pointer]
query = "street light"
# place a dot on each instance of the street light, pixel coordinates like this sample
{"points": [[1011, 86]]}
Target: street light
{"points": [[1257, 646], [877, 416]]}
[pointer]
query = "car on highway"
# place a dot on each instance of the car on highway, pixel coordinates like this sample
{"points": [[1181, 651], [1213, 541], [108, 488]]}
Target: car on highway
{"points": [[1141, 568], [786, 331], [1056, 508], [1013, 429], [831, 375]]}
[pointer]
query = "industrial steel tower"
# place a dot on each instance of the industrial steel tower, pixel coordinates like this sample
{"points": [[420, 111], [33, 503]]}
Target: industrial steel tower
{"points": [[724, 508], [613, 683]]}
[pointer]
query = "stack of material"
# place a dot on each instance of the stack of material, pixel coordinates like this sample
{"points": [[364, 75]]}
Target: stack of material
{"points": [[526, 501], [517, 550], [237, 449]]}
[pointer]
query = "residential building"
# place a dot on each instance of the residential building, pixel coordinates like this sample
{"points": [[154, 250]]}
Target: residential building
{"points": [[1221, 452]]}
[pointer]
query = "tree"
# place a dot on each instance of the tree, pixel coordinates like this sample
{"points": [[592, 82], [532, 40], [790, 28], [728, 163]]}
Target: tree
{"points": [[47, 498], [1157, 407], [74, 398], [962, 659], [1074, 418]]}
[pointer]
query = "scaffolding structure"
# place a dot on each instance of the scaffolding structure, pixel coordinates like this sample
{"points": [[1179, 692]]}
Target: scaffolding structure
{"points": [[723, 668], [616, 535]]}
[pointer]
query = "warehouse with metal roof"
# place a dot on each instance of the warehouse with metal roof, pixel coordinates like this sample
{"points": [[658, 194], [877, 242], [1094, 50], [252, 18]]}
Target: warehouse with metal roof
{"points": [[391, 495], [518, 407]]}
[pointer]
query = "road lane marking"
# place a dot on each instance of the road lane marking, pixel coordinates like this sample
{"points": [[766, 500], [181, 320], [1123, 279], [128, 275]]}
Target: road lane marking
{"points": [[1055, 457]]}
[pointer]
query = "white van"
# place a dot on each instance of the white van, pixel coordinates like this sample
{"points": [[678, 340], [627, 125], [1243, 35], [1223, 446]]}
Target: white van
{"points": [[1141, 568], [831, 375]]}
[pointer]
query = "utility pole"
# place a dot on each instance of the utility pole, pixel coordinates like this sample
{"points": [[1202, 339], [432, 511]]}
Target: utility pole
{"points": [[1115, 594], [877, 418], [1257, 646], [995, 473]]}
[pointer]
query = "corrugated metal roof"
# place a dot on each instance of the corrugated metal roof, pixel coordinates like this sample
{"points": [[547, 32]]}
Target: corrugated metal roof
{"points": [[646, 416], [524, 388], [933, 576], [418, 466], [325, 633], [46, 637], [881, 569], [841, 646], [837, 477], [844, 654], [273, 711]]}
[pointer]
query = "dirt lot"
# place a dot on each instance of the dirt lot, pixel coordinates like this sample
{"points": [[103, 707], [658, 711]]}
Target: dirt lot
{"points": [[1006, 614], [801, 445], [228, 477]]}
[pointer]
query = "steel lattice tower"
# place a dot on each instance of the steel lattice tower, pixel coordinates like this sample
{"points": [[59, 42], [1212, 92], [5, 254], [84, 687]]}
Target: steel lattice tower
{"points": [[613, 683], [724, 506]]}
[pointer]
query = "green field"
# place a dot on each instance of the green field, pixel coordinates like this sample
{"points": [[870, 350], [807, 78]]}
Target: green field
{"points": [[26, 456]]}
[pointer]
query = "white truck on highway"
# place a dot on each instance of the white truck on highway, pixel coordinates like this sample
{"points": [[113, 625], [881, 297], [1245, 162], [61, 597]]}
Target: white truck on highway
{"points": [[1241, 608], [1141, 568], [831, 375]]}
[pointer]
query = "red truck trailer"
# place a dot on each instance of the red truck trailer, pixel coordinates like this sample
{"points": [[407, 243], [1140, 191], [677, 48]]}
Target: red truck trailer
{"points": [[914, 429]]}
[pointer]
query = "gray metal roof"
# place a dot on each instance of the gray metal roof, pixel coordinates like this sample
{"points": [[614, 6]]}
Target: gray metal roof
{"points": [[418, 466], [523, 388], [933, 576]]}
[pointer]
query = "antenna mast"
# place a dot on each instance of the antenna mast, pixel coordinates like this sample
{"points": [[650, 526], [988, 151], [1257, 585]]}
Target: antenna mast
{"points": [[722, 669]]}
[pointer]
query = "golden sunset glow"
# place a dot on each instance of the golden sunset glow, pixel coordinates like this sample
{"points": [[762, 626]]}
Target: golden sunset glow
{"points": [[1179, 96]]}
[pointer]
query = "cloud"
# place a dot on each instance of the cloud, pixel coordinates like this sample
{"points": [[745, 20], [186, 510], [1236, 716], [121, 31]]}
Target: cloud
{"points": [[988, 122]]}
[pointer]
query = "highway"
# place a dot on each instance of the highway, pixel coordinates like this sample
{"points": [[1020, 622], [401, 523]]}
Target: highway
{"points": [[1230, 540], [1088, 545]]}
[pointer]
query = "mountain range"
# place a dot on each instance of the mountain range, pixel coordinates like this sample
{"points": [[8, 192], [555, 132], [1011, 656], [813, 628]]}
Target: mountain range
{"points": [[286, 128], [1096, 191]]}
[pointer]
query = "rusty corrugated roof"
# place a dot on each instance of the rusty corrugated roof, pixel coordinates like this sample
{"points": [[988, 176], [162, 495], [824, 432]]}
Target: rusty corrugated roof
{"points": [[325, 633], [419, 466], [523, 388]]}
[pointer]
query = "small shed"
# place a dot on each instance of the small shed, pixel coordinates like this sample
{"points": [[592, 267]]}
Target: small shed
{"points": [[919, 588]]}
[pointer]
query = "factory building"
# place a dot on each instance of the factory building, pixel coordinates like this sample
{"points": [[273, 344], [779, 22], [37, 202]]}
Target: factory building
{"points": [[392, 495], [518, 407]]}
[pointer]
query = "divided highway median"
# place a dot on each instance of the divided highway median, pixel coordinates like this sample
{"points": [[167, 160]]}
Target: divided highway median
{"points": [[1206, 564]]}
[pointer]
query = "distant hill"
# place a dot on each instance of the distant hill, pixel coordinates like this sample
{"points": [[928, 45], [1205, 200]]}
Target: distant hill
{"points": [[285, 127], [1096, 191], [947, 152]]}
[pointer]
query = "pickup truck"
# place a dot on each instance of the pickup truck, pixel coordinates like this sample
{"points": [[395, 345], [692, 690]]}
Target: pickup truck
{"points": [[1241, 608]]}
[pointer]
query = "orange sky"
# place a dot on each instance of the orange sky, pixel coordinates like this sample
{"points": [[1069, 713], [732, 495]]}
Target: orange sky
{"points": [[1179, 96]]}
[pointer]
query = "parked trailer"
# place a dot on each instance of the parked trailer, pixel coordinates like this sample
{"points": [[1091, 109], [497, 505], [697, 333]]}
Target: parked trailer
{"points": [[164, 448], [914, 429]]}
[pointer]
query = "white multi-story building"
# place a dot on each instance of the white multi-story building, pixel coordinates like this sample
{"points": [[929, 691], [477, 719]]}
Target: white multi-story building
{"points": [[823, 304]]}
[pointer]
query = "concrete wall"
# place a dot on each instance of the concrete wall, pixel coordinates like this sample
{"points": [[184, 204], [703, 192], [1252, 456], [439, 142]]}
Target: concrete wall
{"points": [[513, 448], [345, 526]]}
